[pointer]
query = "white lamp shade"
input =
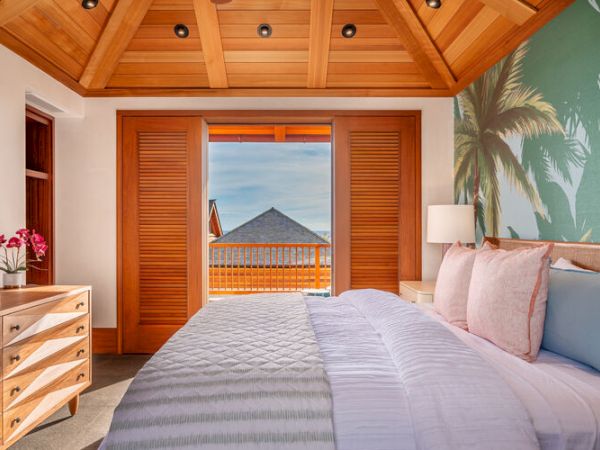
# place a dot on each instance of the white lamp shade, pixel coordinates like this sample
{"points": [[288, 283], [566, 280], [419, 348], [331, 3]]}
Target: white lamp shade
{"points": [[447, 224]]}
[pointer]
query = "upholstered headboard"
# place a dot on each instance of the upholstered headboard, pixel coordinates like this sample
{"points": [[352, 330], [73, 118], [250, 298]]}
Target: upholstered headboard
{"points": [[586, 255]]}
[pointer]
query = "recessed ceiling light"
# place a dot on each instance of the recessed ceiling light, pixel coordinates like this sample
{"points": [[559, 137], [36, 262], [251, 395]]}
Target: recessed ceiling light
{"points": [[181, 31], [349, 30], [89, 4], [435, 4], [264, 30]]}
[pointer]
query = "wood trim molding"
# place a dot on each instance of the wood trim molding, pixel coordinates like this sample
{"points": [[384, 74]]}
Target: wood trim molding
{"points": [[118, 32], [104, 341], [210, 38], [269, 92], [321, 16], [517, 11], [10, 9], [417, 41]]}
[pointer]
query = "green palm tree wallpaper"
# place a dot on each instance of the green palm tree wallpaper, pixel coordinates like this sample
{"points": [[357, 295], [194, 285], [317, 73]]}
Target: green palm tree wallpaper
{"points": [[527, 135]]}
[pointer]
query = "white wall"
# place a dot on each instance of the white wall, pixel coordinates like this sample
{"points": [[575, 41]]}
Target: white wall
{"points": [[17, 77], [85, 166], [86, 178]]}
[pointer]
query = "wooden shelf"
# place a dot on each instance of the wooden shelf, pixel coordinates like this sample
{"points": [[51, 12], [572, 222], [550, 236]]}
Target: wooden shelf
{"points": [[36, 174]]}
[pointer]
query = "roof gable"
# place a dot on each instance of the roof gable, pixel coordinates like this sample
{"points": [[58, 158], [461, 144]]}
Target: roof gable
{"points": [[272, 226]]}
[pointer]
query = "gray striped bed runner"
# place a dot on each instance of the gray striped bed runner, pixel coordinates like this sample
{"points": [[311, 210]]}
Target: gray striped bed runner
{"points": [[244, 373]]}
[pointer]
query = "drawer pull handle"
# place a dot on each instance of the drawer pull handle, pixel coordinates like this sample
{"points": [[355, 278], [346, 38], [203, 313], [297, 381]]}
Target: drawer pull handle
{"points": [[80, 352], [80, 328], [79, 305], [15, 328], [15, 390], [15, 421], [15, 358], [81, 375]]}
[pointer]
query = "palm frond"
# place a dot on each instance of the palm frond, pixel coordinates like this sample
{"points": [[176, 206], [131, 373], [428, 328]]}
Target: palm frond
{"points": [[552, 152], [513, 170], [508, 77]]}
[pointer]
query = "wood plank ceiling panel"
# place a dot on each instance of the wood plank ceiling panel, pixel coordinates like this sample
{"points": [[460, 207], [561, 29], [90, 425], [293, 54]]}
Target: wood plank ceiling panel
{"points": [[278, 61], [400, 44], [375, 56], [156, 58], [11, 9], [52, 29]]}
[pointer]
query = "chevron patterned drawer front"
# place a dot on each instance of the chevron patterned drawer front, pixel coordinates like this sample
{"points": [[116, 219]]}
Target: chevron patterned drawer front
{"points": [[46, 347]]}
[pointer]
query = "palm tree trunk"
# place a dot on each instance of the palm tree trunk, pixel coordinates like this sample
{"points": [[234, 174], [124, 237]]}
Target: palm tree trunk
{"points": [[476, 182]]}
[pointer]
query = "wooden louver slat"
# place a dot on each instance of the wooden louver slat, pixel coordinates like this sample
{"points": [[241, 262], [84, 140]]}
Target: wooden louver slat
{"points": [[162, 194], [374, 188]]}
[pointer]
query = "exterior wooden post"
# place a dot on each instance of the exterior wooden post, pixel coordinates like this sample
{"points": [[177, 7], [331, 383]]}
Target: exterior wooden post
{"points": [[318, 267]]}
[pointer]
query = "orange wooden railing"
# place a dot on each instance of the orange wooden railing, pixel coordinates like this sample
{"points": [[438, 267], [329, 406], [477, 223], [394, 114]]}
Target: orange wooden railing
{"points": [[251, 268]]}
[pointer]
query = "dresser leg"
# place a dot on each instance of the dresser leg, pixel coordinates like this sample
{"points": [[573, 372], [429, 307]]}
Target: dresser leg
{"points": [[74, 405]]}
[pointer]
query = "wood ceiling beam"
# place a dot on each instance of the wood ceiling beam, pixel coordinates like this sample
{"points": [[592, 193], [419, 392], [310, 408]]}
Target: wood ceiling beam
{"points": [[321, 16], [116, 36], [418, 43], [517, 11], [10, 9], [212, 47]]}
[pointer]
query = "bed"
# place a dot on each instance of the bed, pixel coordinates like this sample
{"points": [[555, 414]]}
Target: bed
{"points": [[362, 371]]}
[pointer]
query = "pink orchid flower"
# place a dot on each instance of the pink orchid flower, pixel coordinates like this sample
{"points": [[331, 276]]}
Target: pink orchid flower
{"points": [[22, 233], [40, 250], [2, 239], [14, 242]]}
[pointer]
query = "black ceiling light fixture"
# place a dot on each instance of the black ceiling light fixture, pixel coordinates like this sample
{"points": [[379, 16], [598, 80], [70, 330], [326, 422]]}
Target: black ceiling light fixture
{"points": [[181, 31], [435, 4], [89, 4], [349, 30], [264, 30]]}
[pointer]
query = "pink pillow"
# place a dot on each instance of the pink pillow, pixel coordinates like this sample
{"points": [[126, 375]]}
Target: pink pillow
{"points": [[507, 298], [452, 284]]}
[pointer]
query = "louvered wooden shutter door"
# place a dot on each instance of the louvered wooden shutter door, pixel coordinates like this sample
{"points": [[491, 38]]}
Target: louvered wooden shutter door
{"points": [[377, 206], [161, 204]]}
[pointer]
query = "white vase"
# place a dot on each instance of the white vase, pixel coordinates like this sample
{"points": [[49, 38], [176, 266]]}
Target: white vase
{"points": [[14, 280]]}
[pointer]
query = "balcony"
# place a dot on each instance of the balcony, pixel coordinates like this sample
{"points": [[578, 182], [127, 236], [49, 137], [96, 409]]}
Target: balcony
{"points": [[246, 268]]}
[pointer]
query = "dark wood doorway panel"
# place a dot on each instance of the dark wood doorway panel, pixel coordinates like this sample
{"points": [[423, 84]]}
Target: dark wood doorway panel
{"points": [[161, 238]]}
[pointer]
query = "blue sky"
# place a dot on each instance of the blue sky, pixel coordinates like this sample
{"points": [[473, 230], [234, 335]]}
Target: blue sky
{"points": [[249, 178]]}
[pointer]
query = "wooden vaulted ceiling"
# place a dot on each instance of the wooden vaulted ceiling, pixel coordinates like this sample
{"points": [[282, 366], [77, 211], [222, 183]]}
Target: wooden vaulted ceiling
{"points": [[401, 48]]}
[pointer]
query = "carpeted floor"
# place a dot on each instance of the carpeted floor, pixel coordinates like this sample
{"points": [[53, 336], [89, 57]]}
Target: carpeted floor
{"points": [[111, 376]]}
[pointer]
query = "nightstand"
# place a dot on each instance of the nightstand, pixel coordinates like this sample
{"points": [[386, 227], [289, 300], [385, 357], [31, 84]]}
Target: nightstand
{"points": [[417, 291]]}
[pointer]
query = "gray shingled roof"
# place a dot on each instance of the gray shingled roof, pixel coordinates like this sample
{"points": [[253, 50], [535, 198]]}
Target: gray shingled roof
{"points": [[272, 226]]}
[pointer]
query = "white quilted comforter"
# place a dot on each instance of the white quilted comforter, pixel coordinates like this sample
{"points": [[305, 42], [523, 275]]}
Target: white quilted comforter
{"points": [[364, 371]]}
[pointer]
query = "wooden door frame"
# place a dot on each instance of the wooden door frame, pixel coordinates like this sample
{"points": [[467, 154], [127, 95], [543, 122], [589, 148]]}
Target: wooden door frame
{"points": [[46, 119], [340, 171]]}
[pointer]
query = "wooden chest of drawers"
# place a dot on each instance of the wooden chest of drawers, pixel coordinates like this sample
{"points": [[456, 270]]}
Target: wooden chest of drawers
{"points": [[46, 347]]}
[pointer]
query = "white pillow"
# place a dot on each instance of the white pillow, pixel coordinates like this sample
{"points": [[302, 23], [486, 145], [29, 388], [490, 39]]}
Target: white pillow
{"points": [[567, 264]]}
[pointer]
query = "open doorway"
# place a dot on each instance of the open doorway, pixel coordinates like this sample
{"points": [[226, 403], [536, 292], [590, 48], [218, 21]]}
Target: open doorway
{"points": [[269, 209]]}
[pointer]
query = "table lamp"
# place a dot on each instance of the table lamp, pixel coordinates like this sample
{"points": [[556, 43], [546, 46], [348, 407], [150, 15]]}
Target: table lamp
{"points": [[447, 224]]}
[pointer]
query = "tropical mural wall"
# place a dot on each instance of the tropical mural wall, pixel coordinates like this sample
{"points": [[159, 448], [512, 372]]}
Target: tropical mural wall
{"points": [[527, 135]]}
